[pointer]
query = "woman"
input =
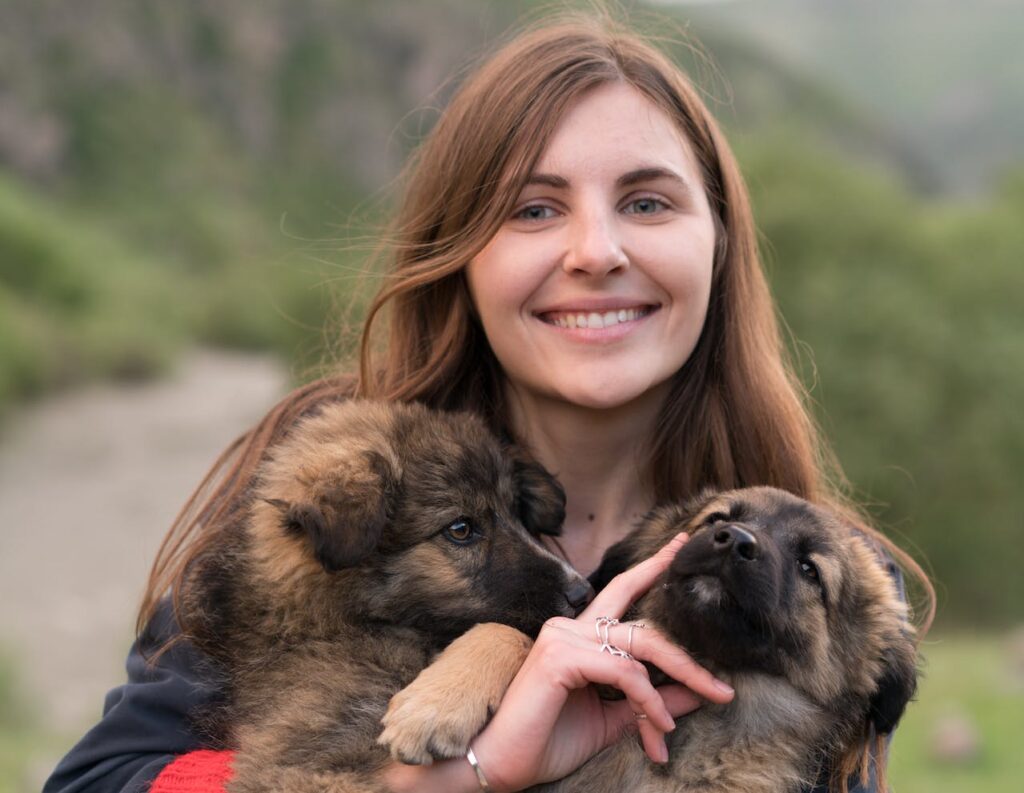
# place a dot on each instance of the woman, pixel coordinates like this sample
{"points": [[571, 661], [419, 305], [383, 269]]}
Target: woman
{"points": [[576, 260]]}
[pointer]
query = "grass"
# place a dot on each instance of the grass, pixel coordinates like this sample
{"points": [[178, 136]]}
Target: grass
{"points": [[968, 677], [23, 741]]}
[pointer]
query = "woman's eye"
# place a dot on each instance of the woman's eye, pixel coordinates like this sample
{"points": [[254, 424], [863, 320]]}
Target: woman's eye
{"points": [[645, 206], [535, 212], [809, 570], [461, 532]]}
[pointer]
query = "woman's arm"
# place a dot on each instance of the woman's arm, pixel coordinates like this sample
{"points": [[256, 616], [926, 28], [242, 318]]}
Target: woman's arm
{"points": [[145, 721]]}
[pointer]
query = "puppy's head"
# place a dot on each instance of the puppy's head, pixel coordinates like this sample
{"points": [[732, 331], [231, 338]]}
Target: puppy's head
{"points": [[769, 583], [393, 513]]}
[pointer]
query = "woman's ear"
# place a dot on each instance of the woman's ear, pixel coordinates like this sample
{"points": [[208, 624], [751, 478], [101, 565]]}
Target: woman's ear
{"points": [[344, 523], [540, 500]]}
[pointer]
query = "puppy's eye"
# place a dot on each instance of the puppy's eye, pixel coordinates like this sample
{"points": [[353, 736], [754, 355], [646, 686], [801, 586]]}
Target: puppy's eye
{"points": [[715, 517], [809, 570], [461, 532]]}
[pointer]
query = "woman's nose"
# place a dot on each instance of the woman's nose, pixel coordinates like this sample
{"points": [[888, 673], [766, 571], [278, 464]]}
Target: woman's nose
{"points": [[594, 245]]}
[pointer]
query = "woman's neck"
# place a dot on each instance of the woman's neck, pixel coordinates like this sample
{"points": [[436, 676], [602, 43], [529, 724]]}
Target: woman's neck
{"points": [[599, 457]]}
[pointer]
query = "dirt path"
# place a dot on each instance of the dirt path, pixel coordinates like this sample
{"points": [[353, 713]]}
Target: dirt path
{"points": [[89, 482]]}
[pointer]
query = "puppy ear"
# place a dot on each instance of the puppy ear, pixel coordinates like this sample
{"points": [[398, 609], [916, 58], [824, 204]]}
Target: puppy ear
{"points": [[345, 524], [895, 689], [540, 500]]}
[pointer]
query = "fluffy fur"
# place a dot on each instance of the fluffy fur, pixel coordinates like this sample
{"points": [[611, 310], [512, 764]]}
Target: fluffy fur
{"points": [[777, 596], [377, 534]]}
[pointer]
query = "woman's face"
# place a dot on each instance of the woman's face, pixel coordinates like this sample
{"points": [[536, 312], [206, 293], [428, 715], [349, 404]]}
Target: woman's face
{"points": [[595, 290]]}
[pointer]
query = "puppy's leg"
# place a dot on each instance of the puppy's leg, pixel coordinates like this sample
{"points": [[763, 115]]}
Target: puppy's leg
{"points": [[439, 713]]}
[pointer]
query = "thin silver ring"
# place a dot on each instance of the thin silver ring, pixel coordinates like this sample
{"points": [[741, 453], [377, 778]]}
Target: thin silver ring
{"points": [[629, 637]]}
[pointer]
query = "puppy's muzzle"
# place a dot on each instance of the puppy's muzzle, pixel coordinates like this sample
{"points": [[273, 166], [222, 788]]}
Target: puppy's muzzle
{"points": [[579, 594], [736, 544]]}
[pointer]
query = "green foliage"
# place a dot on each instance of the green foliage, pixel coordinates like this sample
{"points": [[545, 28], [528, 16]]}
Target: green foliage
{"points": [[74, 304], [910, 310]]}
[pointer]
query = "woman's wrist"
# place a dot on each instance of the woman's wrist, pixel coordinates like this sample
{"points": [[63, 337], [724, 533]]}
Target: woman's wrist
{"points": [[445, 776], [486, 765]]}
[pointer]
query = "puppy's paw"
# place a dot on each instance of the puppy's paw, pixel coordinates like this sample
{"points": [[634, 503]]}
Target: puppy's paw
{"points": [[449, 703]]}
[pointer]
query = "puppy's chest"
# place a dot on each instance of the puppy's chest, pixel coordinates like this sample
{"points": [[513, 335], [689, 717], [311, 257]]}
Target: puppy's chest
{"points": [[762, 742]]}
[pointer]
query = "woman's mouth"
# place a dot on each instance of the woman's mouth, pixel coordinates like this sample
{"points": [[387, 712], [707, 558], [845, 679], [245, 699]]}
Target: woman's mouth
{"points": [[595, 319]]}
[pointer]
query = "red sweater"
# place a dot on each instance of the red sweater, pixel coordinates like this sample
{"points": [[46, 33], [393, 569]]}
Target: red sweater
{"points": [[202, 771]]}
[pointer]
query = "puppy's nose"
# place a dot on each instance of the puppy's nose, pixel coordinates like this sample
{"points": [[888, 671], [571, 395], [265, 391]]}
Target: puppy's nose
{"points": [[739, 541], [579, 594]]}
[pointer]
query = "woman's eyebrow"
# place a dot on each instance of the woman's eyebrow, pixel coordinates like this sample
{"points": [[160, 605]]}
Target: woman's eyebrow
{"points": [[548, 179], [636, 176], [650, 174]]}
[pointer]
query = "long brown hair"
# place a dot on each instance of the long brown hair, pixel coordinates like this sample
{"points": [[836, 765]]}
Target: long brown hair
{"points": [[736, 415]]}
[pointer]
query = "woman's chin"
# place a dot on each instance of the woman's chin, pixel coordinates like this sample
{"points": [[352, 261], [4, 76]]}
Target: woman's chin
{"points": [[612, 396]]}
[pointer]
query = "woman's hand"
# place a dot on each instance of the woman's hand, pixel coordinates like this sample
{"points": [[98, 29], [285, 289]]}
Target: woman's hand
{"points": [[551, 720]]}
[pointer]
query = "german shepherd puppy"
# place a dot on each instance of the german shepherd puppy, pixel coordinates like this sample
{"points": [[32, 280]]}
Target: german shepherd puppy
{"points": [[777, 596], [376, 534]]}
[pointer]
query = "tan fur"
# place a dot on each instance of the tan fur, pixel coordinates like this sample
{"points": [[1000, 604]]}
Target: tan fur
{"points": [[377, 533], [421, 717], [839, 658]]}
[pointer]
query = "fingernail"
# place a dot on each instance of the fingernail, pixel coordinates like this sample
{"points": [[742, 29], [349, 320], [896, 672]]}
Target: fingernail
{"points": [[723, 687], [663, 752]]}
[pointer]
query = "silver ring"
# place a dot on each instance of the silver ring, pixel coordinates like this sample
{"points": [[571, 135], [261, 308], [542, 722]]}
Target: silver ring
{"points": [[639, 716], [602, 625], [629, 637]]}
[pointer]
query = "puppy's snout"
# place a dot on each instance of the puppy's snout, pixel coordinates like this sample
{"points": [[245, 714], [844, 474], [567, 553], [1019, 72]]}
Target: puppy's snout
{"points": [[579, 594], [737, 542]]}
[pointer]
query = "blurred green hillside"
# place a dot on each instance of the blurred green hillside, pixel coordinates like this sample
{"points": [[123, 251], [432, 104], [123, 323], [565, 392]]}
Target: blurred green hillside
{"points": [[175, 174]]}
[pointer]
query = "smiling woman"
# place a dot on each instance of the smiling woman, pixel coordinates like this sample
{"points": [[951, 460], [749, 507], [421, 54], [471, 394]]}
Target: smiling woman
{"points": [[574, 260]]}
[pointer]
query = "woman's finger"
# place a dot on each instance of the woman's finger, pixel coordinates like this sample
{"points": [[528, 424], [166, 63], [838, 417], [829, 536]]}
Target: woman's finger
{"points": [[679, 699], [623, 718], [625, 588], [628, 676], [648, 644]]}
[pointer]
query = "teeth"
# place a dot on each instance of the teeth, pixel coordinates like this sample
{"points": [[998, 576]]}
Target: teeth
{"points": [[593, 319]]}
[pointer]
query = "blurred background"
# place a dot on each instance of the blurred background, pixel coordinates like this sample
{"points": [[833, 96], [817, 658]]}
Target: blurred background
{"points": [[186, 190]]}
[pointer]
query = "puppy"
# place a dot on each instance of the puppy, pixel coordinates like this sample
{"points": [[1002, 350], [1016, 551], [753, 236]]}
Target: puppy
{"points": [[777, 596], [376, 534]]}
